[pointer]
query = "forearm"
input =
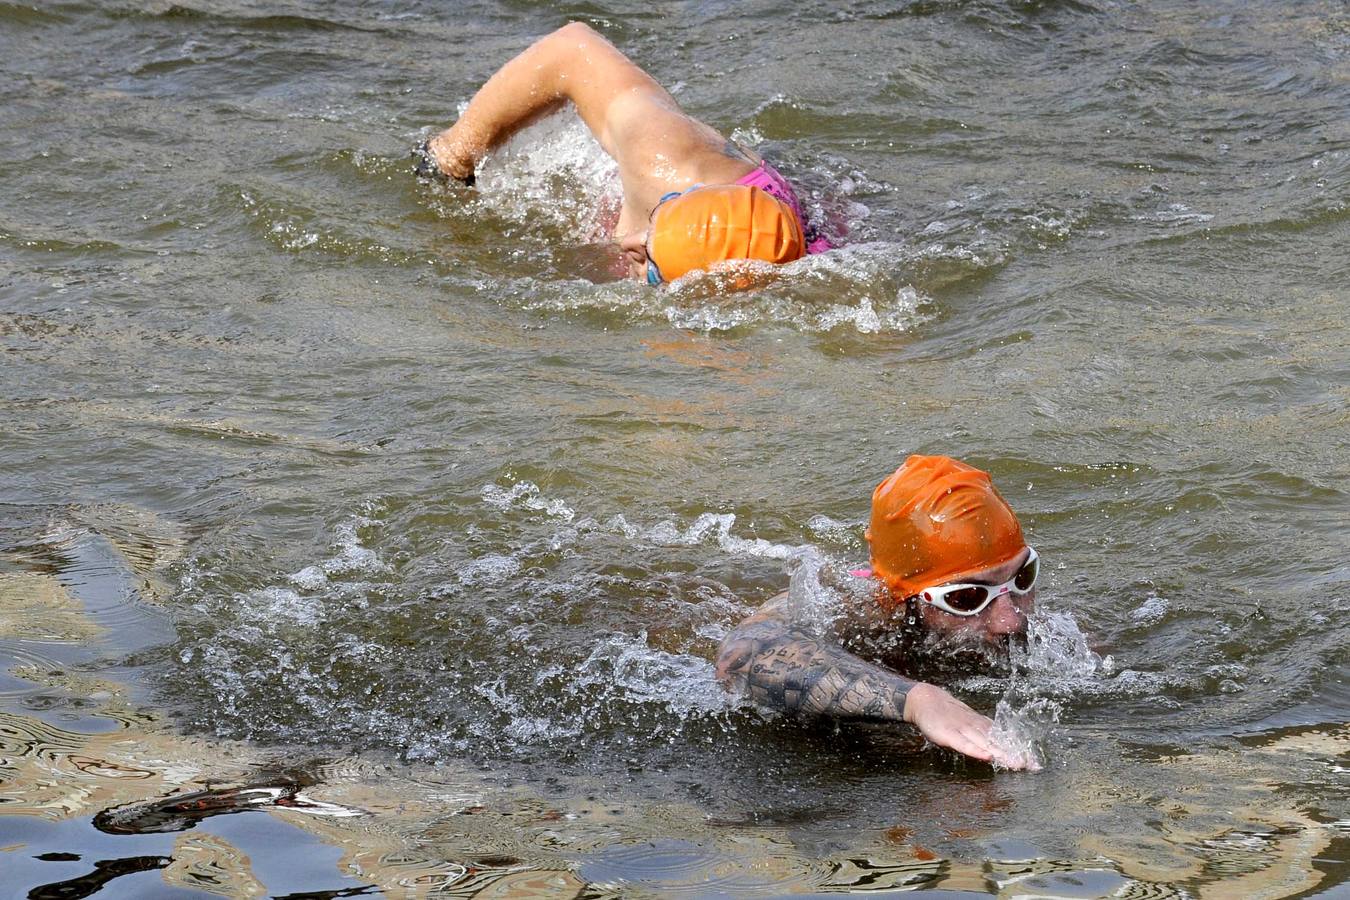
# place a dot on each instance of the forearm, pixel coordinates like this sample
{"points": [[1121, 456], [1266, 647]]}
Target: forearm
{"points": [[573, 63], [783, 668], [520, 92]]}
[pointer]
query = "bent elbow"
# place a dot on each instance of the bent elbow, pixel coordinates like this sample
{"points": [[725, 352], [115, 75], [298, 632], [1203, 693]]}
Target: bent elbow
{"points": [[575, 32], [731, 659]]}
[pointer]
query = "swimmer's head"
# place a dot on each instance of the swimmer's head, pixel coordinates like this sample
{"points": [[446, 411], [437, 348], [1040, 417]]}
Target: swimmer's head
{"points": [[707, 225], [936, 521]]}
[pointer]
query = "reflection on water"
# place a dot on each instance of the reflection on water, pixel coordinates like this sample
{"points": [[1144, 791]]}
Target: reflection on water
{"points": [[426, 833], [105, 870], [414, 831]]}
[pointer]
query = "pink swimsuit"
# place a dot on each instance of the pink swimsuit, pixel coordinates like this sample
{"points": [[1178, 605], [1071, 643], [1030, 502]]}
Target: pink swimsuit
{"points": [[767, 178]]}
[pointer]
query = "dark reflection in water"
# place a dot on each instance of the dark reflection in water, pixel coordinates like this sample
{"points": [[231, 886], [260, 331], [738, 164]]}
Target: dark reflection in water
{"points": [[184, 811], [331, 895], [105, 870]]}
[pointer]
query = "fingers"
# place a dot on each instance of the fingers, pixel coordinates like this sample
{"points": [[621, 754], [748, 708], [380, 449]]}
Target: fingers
{"points": [[958, 727], [964, 734]]}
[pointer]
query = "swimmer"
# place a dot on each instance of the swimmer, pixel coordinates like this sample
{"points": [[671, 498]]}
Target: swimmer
{"points": [[691, 197], [949, 566]]}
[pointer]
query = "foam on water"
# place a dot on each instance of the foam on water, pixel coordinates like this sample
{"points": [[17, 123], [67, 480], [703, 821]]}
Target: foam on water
{"points": [[526, 495]]}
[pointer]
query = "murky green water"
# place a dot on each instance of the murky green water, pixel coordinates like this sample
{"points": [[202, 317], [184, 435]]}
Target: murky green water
{"points": [[379, 512]]}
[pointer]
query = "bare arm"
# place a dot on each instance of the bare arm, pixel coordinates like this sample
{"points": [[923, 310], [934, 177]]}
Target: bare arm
{"points": [[657, 146], [781, 666], [573, 63]]}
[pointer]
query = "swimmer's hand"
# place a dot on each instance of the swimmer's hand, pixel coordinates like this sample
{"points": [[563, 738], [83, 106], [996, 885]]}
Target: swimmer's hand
{"points": [[947, 722], [425, 165]]}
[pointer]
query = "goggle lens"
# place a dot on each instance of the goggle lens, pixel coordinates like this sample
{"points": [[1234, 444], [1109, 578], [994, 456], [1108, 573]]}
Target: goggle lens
{"points": [[967, 599], [1026, 576]]}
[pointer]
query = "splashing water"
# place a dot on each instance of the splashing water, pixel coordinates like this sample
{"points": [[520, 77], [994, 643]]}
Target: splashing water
{"points": [[554, 171], [1056, 659], [627, 667], [814, 590], [1020, 733], [526, 494], [1057, 651]]}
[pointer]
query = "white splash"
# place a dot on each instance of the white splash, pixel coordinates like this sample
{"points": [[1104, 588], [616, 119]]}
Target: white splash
{"points": [[271, 606], [526, 494], [626, 665], [305, 601], [1057, 651], [1176, 214], [1020, 733], [833, 530], [353, 557], [1056, 661], [714, 527], [817, 603], [555, 172], [490, 569]]}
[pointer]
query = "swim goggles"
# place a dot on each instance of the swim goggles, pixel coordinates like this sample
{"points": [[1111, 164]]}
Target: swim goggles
{"points": [[972, 599], [653, 272]]}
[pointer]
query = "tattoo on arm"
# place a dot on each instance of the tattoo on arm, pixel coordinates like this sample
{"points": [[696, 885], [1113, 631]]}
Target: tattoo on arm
{"points": [[784, 668]]}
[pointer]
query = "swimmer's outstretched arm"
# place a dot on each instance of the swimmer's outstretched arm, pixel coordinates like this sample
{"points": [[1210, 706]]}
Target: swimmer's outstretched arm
{"points": [[573, 63], [781, 666], [784, 668]]}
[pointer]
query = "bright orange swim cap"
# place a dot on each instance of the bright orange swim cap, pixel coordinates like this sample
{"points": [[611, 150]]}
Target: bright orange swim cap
{"points": [[935, 520], [719, 222]]}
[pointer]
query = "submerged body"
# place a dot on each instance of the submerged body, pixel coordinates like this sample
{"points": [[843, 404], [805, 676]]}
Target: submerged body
{"points": [[949, 562], [665, 156]]}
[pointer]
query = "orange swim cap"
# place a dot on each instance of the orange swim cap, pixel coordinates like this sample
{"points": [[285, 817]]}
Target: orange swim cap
{"points": [[710, 224], [935, 520]]}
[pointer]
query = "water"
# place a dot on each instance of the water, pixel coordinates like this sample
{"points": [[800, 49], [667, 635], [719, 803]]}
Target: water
{"points": [[377, 521]]}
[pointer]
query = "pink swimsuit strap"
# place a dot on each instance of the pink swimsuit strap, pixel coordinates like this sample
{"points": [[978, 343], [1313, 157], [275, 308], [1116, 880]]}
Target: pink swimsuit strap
{"points": [[767, 178]]}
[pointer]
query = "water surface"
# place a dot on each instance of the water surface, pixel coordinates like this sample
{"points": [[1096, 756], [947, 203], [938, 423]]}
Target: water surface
{"points": [[319, 482]]}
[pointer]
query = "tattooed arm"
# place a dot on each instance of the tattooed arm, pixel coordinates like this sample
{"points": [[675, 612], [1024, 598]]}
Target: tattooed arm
{"points": [[781, 666]]}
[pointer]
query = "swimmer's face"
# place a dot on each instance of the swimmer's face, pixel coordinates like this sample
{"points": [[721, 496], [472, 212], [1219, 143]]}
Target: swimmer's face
{"points": [[634, 247], [1005, 617]]}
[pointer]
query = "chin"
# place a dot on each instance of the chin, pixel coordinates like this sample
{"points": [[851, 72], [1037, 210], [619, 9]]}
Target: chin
{"points": [[970, 653]]}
